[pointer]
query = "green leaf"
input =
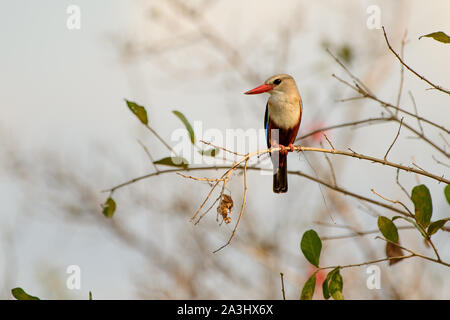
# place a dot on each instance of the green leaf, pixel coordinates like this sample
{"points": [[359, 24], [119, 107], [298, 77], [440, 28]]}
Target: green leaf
{"points": [[173, 162], [345, 53], [109, 208], [338, 295], [423, 207], [311, 246], [139, 111], [447, 193], [90, 295], [414, 223], [438, 36], [308, 288], [336, 285], [209, 152], [326, 293], [388, 229], [325, 284], [435, 226], [186, 124], [20, 294]]}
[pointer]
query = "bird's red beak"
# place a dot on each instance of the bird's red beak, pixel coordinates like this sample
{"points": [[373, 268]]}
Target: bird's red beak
{"points": [[260, 89]]}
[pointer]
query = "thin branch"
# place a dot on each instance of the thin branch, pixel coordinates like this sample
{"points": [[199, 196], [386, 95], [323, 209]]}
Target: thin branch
{"points": [[361, 233], [415, 111], [282, 286], [298, 173], [329, 142], [399, 184], [395, 139], [410, 69], [393, 201], [149, 155], [355, 78], [402, 71], [160, 139], [389, 105], [343, 125], [330, 164], [440, 162], [300, 148], [244, 200], [369, 262], [414, 253], [222, 148]]}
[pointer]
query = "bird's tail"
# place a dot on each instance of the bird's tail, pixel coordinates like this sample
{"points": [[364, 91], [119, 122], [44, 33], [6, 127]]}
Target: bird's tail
{"points": [[280, 177]]}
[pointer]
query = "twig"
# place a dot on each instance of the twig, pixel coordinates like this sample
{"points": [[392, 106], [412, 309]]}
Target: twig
{"points": [[282, 286], [149, 155], [415, 111], [222, 148], [199, 179], [402, 71], [414, 253], [394, 201], [244, 200], [445, 140], [395, 139], [343, 125], [399, 184], [356, 79], [330, 164], [160, 139], [369, 262], [388, 105], [410, 69], [440, 162], [361, 233], [328, 140]]}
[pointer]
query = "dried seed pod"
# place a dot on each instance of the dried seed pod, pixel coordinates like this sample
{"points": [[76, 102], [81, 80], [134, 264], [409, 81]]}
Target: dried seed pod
{"points": [[224, 208], [393, 251]]}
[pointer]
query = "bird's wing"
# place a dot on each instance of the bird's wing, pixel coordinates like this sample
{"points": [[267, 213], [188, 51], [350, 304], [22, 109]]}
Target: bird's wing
{"points": [[266, 123]]}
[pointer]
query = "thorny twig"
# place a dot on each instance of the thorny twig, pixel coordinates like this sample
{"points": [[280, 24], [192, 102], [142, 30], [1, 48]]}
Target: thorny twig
{"points": [[410, 69]]}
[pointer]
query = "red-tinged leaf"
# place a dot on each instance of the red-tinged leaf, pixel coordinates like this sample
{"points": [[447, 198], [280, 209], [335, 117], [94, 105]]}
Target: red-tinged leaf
{"points": [[308, 288]]}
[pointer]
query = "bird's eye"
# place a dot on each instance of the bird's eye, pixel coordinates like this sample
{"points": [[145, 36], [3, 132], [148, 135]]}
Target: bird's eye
{"points": [[277, 81]]}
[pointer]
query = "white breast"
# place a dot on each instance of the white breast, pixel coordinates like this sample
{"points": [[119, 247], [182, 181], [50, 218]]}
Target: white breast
{"points": [[284, 112]]}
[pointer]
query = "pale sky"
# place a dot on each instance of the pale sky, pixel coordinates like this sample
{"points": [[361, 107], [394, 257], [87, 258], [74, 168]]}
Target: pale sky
{"points": [[62, 97]]}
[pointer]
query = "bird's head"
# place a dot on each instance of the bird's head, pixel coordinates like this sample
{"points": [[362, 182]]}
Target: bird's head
{"points": [[280, 83]]}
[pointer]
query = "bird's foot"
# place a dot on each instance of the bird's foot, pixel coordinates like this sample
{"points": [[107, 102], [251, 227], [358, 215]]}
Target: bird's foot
{"points": [[283, 150], [291, 147]]}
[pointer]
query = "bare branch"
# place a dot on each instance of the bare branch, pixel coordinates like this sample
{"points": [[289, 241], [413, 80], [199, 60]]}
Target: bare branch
{"points": [[395, 139], [343, 125], [415, 111], [282, 286], [410, 69]]}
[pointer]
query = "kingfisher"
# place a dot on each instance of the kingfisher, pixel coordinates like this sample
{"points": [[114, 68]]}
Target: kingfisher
{"points": [[281, 122]]}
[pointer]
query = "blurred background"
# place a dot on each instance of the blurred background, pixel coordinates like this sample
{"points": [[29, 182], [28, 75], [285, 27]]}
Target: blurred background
{"points": [[66, 135]]}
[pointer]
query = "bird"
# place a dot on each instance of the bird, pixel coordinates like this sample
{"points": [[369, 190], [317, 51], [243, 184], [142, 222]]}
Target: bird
{"points": [[281, 122]]}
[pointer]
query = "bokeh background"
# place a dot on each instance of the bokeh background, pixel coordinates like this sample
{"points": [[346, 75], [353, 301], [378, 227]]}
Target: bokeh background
{"points": [[66, 135]]}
